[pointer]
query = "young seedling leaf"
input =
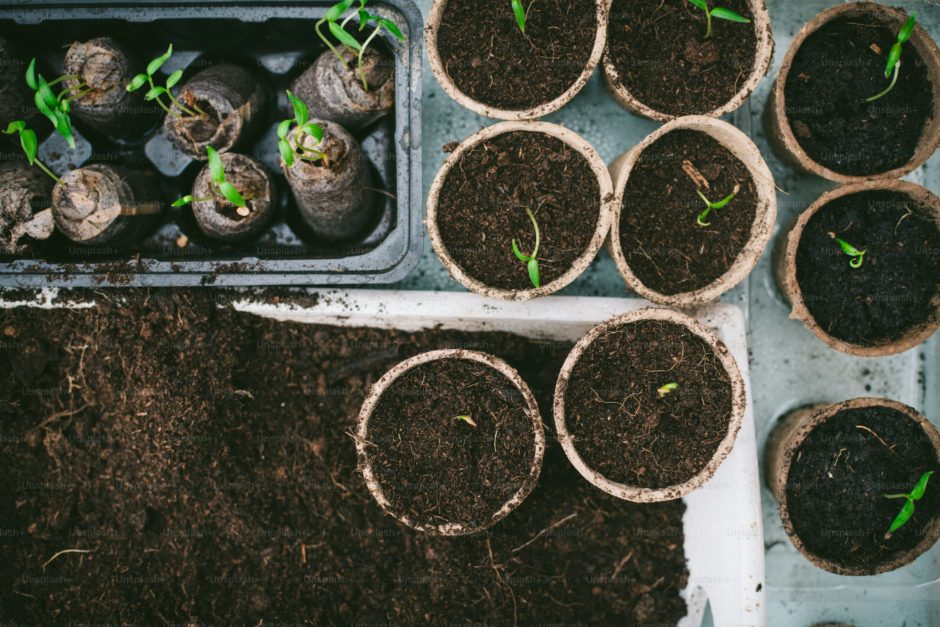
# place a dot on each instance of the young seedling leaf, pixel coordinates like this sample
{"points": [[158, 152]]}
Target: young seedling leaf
{"points": [[30, 144], [918, 492], [908, 29], [31, 75], [894, 56], [666, 389], [286, 152], [173, 79], [345, 38], [185, 200], [907, 510], [858, 256], [154, 92], [391, 27], [467, 419], [519, 10], [15, 127], [313, 130], [727, 14], [893, 63], [301, 111], [531, 261], [700, 4], [336, 11], [518, 253], [283, 129], [231, 194], [533, 267], [154, 66], [137, 82], [216, 171]]}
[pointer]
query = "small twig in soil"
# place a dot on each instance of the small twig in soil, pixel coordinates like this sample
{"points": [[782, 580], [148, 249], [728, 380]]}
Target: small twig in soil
{"points": [[693, 173], [544, 531], [877, 437], [63, 552]]}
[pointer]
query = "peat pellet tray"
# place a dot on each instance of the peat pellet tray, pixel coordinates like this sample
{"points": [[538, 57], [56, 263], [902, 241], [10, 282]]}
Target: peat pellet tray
{"points": [[277, 42]]}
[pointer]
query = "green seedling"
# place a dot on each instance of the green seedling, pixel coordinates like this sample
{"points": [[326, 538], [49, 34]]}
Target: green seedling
{"points": [[156, 92], [54, 106], [893, 66], [907, 510], [468, 420], [531, 261], [30, 145], [858, 256], [218, 184], [521, 14], [338, 29], [302, 121], [667, 389], [719, 12], [709, 205]]}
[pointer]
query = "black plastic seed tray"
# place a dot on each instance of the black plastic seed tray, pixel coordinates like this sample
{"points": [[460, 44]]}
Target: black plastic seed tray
{"points": [[276, 40]]}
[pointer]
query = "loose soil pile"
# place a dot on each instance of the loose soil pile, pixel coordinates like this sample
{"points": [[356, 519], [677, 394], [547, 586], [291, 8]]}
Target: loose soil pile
{"points": [[839, 476], [203, 457]]}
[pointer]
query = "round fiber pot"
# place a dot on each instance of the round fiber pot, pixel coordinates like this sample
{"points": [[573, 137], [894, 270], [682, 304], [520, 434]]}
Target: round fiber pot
{"points": [[220, 219], [648, 405], [25, 218], [664, 79], [450, 441], [829, 468], [674, 158], [483, 61], [806, 119], [890, 303], [101, 204], [497, 174]]}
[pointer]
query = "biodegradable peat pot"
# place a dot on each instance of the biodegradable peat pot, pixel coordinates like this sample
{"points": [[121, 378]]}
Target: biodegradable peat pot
{"points": [[102, 69], [622, 427], [817, 118], [220, 219], [233, 101], [477, 206], [25, 217], [484, 62], [891, 302], [829, 467], [102, 204], [335, 92], [335, 195], [659, 248], [450, 441], [685, 73]]}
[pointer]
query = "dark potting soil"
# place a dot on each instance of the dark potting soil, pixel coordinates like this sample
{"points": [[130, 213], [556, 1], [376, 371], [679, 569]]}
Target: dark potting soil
{"points": [[492, 61], [663, 244], [665, 61], [623, 428], [483, 202], [203, 457], [438, 469], [832, 74], [838, 479], [897, 284]]}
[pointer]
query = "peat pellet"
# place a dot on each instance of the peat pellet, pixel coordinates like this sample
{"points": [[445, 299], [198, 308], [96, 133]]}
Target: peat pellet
{"points": [[220, 219], [232, 102], [25, 199], [334, 91], [334, 195], [103, 204], [450, 442], [102, 68]]}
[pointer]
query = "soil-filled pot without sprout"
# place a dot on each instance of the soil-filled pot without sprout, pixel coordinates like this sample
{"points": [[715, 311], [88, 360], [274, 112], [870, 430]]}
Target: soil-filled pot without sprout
{"points": [[102, 69], [648, 405], [101, 204], [830, 468], [480, 201], [450, 441], [25, 214], [659, 63], [664, 244], [887, 299], [817, 116], [335, 92], [484, 61], [229, 102], [220, 219], [335, 195]]}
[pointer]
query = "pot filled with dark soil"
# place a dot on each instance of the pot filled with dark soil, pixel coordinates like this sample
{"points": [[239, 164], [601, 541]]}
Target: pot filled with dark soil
{"points": [[450, 441], [860, 267], [842, 110], [694, 209], [25, 209], [648, 405], [519, 209], [515, 66], [856, 484], [680, 57]]}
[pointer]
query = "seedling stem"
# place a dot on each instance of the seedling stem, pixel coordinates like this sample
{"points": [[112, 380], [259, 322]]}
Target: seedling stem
{"points": [[893, 66], [338, 30], [700, 219], [302, 121], [30, 145], [531, 261], [858, 256], [155, 92], [219, 185]]}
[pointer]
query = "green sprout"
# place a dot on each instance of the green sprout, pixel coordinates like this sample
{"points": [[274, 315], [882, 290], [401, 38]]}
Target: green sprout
{"points": [[858, 256], [709, 205], [302, 121], [156, 91], [30, 145], [667, 389], [521, 14], [338, 30], [907, 510], [220, 185], [468, 420], [719, 12], [894, 56], [530, 261], [55, 107]]}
